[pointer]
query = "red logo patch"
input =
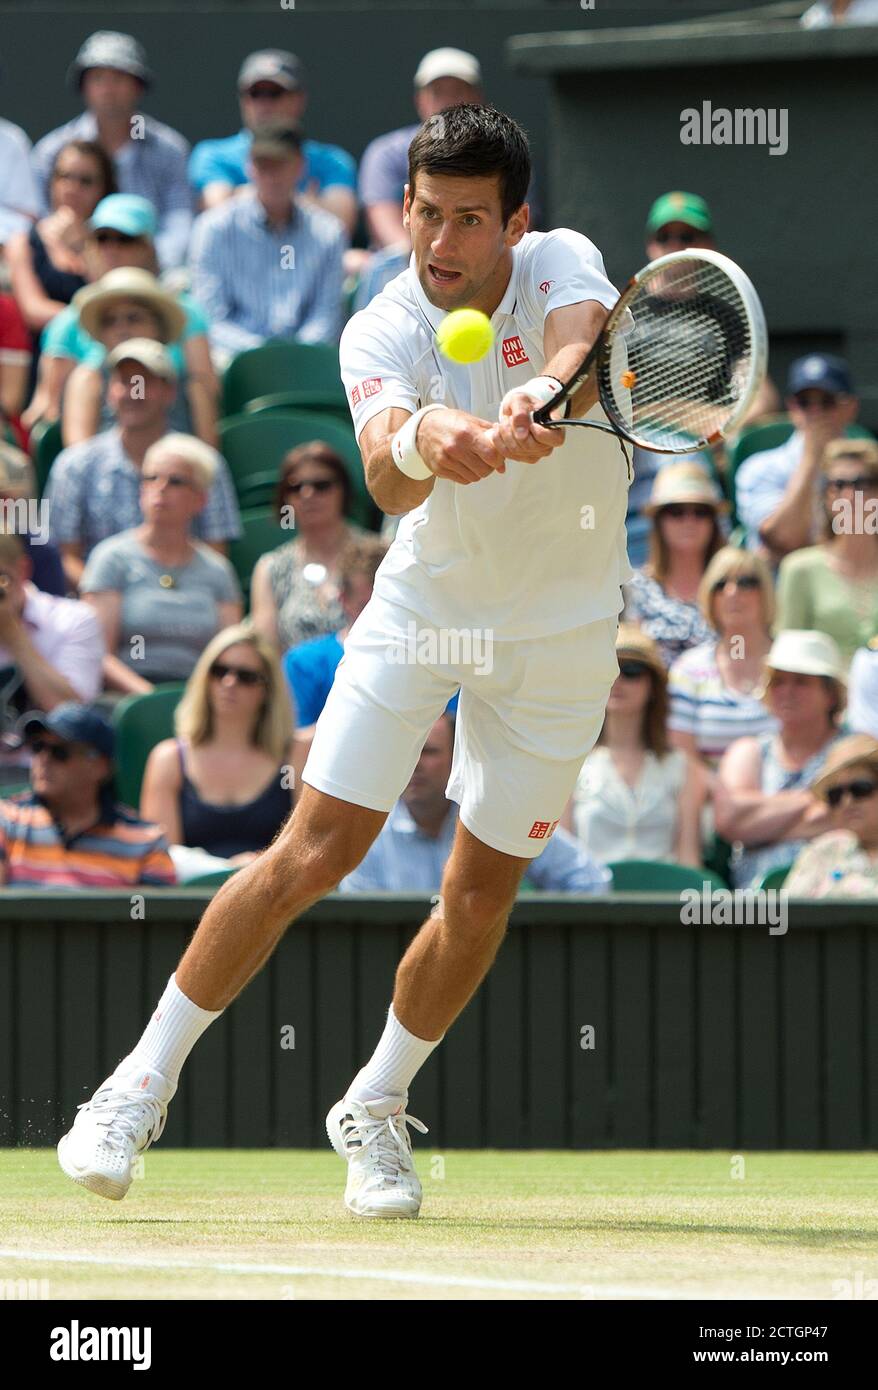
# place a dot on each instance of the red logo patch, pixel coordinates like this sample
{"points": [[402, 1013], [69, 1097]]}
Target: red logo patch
{"points": [[514, 354], [371, 386], [546, 286], [355, 396], [540, 829]]}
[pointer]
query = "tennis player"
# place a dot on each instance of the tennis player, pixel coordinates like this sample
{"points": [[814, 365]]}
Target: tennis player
{"points": [[504, 580]]}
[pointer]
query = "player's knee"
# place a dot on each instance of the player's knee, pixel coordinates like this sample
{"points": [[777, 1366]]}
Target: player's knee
{"points": [[478, 910], [312, 868]]}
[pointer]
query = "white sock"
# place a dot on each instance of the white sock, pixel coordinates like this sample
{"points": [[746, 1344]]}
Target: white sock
{"points": [[171, 1033], [392, 1067]]}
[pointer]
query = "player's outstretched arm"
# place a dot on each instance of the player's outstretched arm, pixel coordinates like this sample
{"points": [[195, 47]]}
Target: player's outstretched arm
{"points": [[452, 444]]}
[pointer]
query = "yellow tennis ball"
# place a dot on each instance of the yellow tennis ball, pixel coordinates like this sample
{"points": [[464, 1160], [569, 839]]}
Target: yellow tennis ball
{"points": [[465, 335]]}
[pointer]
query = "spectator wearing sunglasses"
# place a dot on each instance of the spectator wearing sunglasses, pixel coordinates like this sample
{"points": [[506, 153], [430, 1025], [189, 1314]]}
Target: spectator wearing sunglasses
{"points": [[686, 508], [843, 862], [636, 797], [833, 586], [224, 784], [121, 234], [762, 791], [111, 75], [294, 595], [272, 87], [130, 303], [777, 490], [47, 263], [160, 597], [713, 688], [68, 831]]}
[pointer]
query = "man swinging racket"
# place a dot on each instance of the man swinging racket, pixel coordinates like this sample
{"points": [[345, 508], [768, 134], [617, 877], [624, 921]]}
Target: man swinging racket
{"points": [[513, 535]]}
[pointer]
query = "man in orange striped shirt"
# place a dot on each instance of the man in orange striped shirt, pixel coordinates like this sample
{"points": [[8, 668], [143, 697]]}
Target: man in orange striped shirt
{"points": [[68, 831]]}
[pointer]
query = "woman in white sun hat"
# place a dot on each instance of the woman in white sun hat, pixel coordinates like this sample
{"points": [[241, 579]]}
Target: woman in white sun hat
{"points": [[762, 796]]}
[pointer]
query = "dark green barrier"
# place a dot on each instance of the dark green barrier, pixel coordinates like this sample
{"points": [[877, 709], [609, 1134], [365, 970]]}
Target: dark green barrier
{"points": [[704, 1036]]}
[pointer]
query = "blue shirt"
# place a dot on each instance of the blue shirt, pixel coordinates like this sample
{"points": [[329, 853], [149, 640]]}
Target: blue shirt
{"points": [[64, 336], [225, 161], [404, 860], [256, 281], [94, 492], [153, 165], [310, 670]]}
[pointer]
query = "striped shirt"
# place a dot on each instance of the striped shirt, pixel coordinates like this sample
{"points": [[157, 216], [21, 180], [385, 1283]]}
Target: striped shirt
{"points": [[256, 281], [120, 850], [703, 705], [94, 492], [153, 165]]}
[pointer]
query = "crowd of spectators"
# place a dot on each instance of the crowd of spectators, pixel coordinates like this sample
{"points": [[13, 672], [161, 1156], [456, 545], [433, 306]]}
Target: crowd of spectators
{"points": [[742, 731]]}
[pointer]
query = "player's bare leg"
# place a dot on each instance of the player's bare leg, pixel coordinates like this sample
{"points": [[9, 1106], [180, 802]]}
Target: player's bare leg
{"points": [[324, 839], [438, 975]]}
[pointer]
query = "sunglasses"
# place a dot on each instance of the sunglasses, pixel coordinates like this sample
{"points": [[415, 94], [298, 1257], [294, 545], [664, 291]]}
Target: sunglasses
{"points": [[694, 509], [815, 400], [106, 238], [172, 479], [865, 483], [860, 789], [219, 670], [84, 180], [267, 93], [318, 484], [59, 752], [127, 317], [633, 670], [685, 238], [744, 581]]}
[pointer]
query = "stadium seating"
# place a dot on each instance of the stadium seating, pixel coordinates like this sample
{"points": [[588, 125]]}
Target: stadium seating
{"points": [[253, 446], [283, 375], [775, 878], [658, 876], [770, 435], [211, 880], [141, 721], [261, 533], [46, 445]]}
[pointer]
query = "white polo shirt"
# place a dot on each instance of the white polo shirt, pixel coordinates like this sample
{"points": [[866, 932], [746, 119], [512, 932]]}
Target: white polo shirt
{"points": [[540, 548]]}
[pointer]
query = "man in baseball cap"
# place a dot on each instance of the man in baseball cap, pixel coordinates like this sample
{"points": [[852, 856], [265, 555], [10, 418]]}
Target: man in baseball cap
{"points": [[111, 73], [677, 221], [69, 831], [272, 89], [777, 490]]}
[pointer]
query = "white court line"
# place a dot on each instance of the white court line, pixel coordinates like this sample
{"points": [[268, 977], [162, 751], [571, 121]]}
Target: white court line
{"points": [[391, 1276]]}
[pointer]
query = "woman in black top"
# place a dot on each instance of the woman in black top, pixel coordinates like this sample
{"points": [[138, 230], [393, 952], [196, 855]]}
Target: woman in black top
{"points": [[46, 264], [225, 784]]}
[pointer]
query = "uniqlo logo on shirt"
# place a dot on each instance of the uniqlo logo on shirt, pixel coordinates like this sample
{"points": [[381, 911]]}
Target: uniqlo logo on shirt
{"points": [[540, 829], [513, 352], [355, 396], [371, 386]]}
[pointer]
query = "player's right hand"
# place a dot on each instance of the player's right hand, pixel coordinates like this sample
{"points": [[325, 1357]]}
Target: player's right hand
{"points": [[459, 446]]}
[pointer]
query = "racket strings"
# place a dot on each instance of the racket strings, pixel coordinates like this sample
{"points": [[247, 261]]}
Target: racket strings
{"points": [[679, 374]]}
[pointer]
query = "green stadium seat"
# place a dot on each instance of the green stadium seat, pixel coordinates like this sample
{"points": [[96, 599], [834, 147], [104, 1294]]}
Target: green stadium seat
{"points": [[141, 721], [658, 876], [262, 532], [280, 375], [253, 446], [775, 878], [46, 445], [211, 880], [770, 435]]}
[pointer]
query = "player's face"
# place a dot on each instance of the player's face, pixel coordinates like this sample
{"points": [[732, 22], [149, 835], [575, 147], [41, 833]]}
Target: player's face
{"points": [[463, 252]]}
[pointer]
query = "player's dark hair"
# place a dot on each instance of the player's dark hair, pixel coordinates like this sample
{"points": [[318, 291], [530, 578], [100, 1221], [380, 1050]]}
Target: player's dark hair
{"points": [[472, 141]]}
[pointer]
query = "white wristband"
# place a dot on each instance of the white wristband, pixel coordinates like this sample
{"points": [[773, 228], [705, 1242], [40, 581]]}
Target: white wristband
{"points": [[542, 387], [403, 446]]}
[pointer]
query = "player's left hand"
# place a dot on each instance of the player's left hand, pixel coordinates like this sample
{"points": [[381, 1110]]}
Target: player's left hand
{"points": [[517, 436]]}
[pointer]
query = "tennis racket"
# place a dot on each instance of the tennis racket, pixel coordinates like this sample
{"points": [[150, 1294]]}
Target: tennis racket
{"points": [[680, 358]]}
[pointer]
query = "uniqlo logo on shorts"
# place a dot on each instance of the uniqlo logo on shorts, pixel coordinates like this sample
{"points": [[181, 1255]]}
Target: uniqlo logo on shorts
{"points": [[513, 352], [540, 829], [355, 396], [371, 386]]}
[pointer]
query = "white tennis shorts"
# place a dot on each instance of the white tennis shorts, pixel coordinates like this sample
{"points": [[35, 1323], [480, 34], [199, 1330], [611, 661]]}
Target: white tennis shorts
{"points": [[529, 712]]}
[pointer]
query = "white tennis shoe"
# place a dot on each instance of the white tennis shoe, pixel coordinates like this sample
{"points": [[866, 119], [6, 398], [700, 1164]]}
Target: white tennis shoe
{"points": [[382, 1181], [124, 1116]]}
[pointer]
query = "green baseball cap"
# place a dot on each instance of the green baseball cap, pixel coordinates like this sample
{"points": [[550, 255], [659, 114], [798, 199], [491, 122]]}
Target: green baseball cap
{"points": [[679, 207]]}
